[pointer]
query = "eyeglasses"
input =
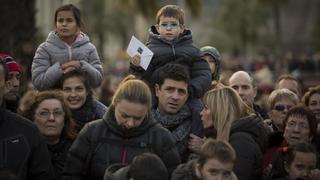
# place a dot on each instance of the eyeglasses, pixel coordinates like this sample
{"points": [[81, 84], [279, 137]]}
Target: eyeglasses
{"points": [[171, 25], [281, 107], [292, 124], [47, 114]]}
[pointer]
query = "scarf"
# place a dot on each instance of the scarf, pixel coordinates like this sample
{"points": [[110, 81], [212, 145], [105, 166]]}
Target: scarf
{"points": [[178, 124]]}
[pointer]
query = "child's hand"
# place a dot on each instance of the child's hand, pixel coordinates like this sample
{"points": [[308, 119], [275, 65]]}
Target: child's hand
{"points": [[70, 65], [135, 60]]}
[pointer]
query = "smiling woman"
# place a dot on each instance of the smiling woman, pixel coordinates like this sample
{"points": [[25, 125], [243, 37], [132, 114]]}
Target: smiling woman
{"points": [[78, 96], [51, 115]]}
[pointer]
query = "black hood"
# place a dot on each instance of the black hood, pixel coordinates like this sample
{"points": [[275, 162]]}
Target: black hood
{"points": [[110, 120], [252, 125]]}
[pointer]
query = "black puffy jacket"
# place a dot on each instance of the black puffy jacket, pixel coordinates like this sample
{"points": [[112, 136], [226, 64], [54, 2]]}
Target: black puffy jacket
{"points": [[22, 151], [248, 137], [180, 51], [103, 142]]}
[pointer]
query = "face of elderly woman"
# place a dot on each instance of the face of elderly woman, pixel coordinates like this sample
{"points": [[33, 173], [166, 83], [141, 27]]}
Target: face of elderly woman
{"points": [[130, 114], [297, 130], [279, 112], [49, 117]]}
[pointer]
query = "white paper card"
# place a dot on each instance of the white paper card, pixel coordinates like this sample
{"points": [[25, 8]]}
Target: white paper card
{"points": [[137, 47]]}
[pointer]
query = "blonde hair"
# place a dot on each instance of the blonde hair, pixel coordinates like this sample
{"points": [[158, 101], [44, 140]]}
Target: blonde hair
{"points": [[225, 106], [133, 90], [279, 94]]}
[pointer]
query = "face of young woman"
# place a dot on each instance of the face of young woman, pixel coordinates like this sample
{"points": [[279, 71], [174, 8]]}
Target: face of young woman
{"points": [[301, 166], [74, 92], [206, 117], [66, 25], [129, 114], [215, 170], [49, 118]]}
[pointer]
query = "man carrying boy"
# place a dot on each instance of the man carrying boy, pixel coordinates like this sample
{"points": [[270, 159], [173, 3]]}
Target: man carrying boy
{"points": [[172, 43]]}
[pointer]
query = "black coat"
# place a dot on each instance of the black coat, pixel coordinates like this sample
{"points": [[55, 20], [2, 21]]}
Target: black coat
{"points": [[179, 51], [248, 137], [185, 171], [103, 142], [58, 154], [22, 151]]}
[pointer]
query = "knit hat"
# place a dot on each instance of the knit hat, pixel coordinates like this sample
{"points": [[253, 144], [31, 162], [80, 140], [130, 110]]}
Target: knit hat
{"points": [[212, 51], [11, 64]]}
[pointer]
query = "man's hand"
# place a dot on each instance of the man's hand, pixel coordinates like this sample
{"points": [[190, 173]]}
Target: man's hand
{"points": [[195, 143]]}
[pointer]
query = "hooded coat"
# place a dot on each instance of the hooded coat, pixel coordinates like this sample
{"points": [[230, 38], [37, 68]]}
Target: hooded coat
{"points": [[180, 51], [115, 144], [248, 137], [46, 65]]}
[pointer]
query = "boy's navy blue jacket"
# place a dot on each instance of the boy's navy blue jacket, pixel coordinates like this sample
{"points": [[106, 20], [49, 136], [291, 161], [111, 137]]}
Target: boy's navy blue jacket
{"points": [[180, 51]]}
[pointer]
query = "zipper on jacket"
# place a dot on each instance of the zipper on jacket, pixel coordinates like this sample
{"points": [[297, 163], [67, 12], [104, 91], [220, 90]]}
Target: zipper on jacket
{"points": [[69, 51], [124, 153], [173, 50]]}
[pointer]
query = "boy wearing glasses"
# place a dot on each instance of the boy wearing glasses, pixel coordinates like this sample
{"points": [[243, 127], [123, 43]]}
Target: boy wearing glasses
{"points": [[171, 42]]}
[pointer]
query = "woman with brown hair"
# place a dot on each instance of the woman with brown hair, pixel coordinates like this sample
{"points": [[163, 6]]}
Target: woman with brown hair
{"points": [[49, 112]]}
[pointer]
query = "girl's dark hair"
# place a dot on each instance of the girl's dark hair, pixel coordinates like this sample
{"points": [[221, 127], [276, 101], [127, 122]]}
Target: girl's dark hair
{"points": [[31, 100], [148, 166], [79, 74], [75, 11], [286, 155]]}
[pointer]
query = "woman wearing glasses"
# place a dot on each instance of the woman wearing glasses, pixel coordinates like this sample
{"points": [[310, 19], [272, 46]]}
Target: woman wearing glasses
{"points": [[51, 115], [300, 127], [280, 101]]}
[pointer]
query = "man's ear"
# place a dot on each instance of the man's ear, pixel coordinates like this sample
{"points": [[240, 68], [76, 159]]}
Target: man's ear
{"points": [[157, 27], [255, 92], [7, 87], [157, 89]]}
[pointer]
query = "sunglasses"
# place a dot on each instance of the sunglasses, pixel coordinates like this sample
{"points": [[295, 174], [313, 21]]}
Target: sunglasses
{"points": [[281, 107]]}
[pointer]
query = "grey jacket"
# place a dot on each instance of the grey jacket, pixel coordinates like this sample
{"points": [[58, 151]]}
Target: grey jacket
{"points": [[50, 55]]}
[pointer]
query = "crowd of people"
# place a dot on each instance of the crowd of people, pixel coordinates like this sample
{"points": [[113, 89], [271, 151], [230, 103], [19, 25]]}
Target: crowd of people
{"points": [[176, 120]]}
